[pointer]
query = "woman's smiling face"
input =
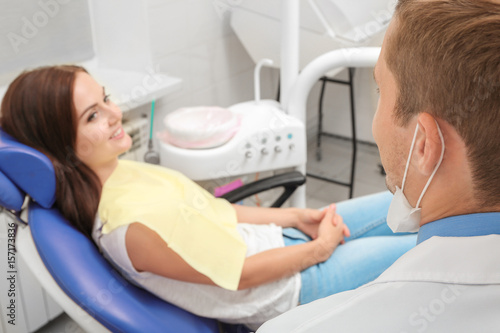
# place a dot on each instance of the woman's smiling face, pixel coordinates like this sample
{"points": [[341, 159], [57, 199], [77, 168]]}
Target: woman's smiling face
{"points": [[100, 137]]}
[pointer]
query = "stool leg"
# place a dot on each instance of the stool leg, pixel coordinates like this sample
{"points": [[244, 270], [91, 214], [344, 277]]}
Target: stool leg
{"points": [[278, 94], [320, 119], [353, 126]]}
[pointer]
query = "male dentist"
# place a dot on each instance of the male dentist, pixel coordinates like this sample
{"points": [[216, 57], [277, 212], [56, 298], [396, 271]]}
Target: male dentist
{"points": [[437, 127]]}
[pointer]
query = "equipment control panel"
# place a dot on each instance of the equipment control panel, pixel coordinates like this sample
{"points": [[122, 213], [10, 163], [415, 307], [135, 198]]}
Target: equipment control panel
{"points": [[268, 139]]}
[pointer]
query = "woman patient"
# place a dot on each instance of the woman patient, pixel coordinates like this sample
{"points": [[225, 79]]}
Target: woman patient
{"points": [[165, 233]]}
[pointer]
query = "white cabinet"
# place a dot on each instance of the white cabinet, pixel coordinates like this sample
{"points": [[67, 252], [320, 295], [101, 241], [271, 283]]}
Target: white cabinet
{"points": [[25, 306]]}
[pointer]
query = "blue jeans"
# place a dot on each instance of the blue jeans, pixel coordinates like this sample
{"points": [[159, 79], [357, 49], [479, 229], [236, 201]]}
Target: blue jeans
{"points": [[370, 250]]}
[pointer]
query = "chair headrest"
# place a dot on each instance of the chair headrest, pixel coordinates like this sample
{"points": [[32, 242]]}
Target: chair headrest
{"points": [[11, 197], [24, 170]]}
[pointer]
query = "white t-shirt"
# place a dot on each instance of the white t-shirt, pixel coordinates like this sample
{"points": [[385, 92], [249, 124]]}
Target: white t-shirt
{"points": [[251, 307]]}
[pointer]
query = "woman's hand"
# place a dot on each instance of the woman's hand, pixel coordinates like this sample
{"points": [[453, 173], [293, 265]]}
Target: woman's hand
{"points": [[331, 232], [340, 219], [308, 221]]}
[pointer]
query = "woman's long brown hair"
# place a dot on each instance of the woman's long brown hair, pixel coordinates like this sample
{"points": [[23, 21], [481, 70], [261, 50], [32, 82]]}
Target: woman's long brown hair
{"points": [[38, 110]]}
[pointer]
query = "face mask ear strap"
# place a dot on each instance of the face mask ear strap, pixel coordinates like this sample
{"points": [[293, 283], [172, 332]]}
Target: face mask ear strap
{"points": [[409, 158], [437, 165]]}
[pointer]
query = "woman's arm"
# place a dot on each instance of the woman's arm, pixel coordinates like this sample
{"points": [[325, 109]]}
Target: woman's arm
{"points": [[148, 252], [306, 220], [285, 217], [275, 264]]}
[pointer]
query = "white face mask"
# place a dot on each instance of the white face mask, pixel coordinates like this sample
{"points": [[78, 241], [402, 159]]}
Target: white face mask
{"points": [[402, 217]]}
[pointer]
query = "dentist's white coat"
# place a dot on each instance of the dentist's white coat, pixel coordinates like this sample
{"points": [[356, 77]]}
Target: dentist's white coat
{"points": [[444, 284]]}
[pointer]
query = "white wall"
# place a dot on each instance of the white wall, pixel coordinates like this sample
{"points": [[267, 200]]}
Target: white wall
{"points": [[192, 39]]}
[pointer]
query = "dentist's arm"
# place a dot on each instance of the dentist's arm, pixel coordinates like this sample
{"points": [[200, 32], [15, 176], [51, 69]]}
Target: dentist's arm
{"points": [[148, 252]]}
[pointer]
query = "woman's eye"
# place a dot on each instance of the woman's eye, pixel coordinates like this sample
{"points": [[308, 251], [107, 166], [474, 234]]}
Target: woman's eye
{"points": [[106, 98], [92, 116], [378, 90]]}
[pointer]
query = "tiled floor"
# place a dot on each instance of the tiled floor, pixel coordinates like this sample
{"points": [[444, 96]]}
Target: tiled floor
{"points": [[335, 163], [62, 324]]}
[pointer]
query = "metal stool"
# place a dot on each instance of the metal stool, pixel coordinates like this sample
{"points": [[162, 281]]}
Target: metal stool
{"points": [[321, 133]]}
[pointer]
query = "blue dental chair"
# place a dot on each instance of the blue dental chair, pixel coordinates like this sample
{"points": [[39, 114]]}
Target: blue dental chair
{"points": [[69, 266]]}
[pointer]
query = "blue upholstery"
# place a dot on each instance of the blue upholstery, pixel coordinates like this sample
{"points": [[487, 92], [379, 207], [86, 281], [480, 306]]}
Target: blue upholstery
{"points": [[11, 197], [31, 171], [74, 261], [87, 278]]}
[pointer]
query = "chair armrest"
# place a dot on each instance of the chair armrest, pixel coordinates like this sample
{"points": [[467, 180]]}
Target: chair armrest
{"points": [[289, 180]]}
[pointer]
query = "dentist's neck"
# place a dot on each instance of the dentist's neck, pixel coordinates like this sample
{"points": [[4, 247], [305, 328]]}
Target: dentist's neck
{"points": [[452, 190]]}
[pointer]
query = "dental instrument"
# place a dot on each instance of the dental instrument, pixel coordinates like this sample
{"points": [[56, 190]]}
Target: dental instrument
{"points": [[151, 155]]}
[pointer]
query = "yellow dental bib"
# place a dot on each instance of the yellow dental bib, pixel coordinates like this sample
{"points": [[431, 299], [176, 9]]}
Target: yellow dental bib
{"points": [[196, 225]]}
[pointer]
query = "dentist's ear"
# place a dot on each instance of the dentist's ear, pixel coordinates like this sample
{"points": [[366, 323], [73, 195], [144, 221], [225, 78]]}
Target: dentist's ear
{"points": [[428, 145]]}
